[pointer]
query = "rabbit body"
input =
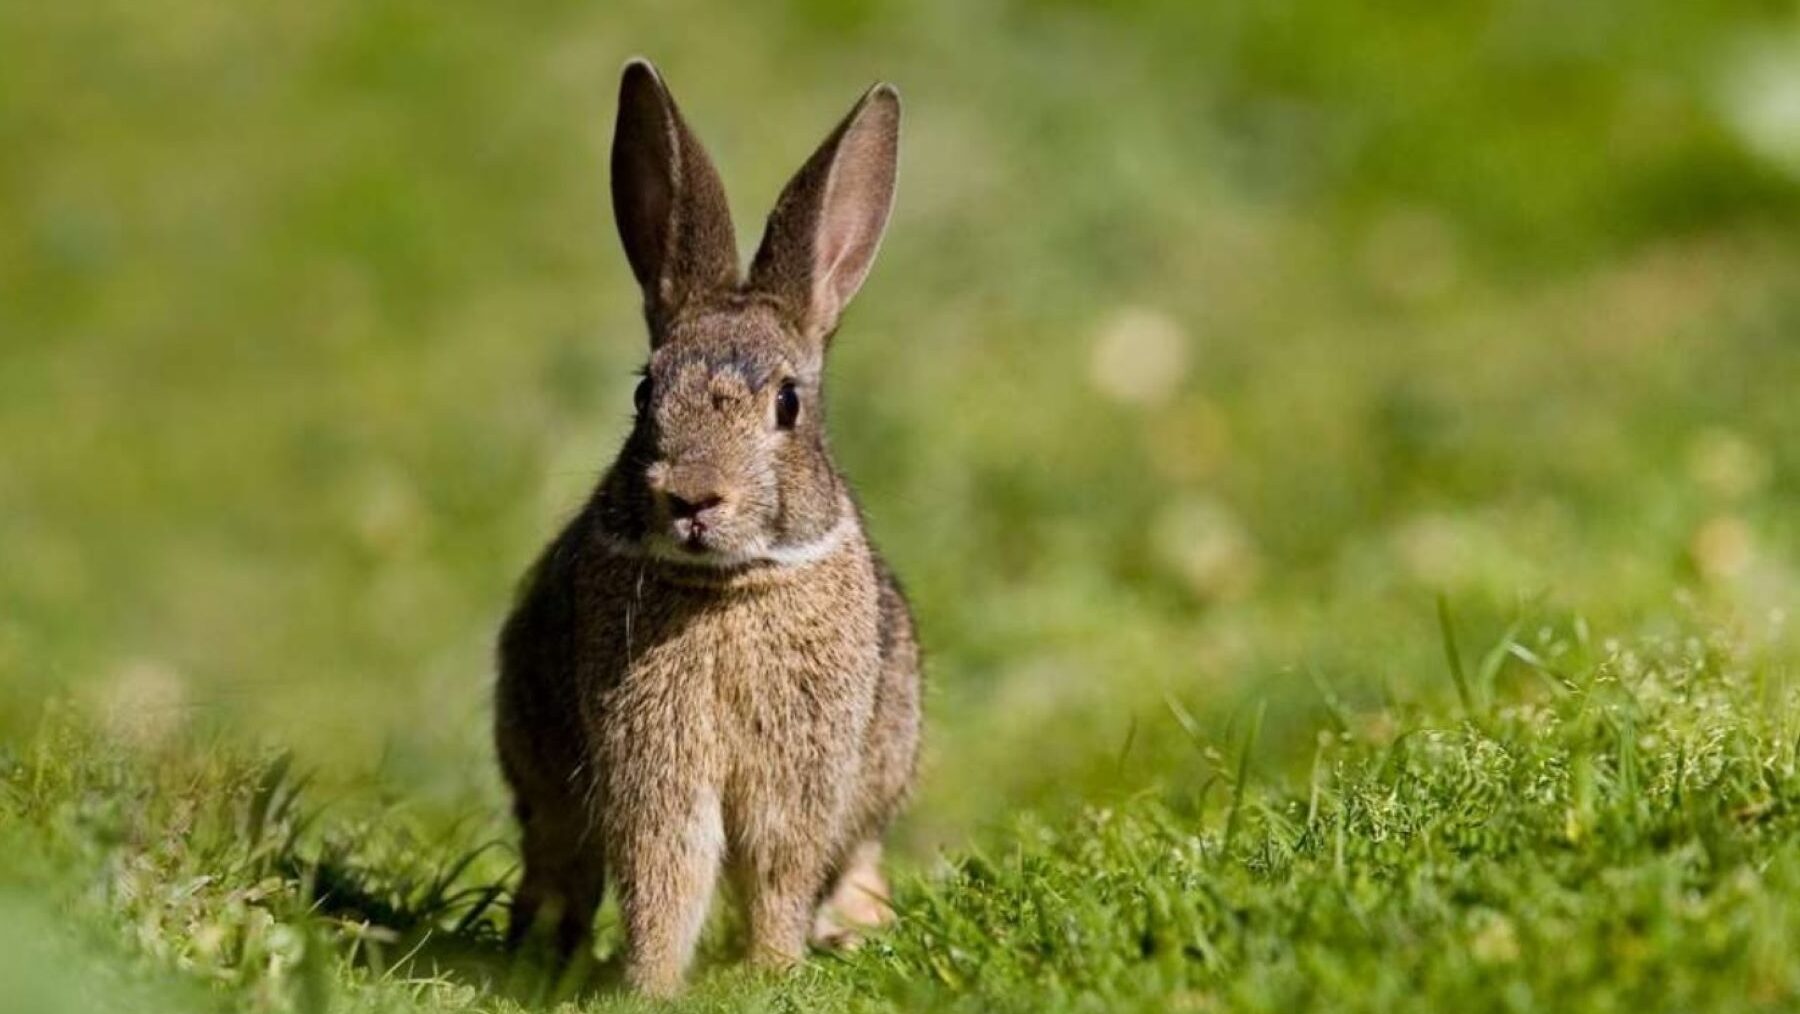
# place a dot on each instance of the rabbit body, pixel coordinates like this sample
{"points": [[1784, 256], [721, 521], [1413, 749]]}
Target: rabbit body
{"points": [[710, 669], [658, 727]]}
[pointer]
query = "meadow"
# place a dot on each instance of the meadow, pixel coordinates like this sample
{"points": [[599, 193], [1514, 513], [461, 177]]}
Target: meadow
{"points": [[1343, 461]]}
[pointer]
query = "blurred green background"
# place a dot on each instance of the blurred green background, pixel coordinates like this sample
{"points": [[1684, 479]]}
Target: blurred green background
{"points": [[1208, 344]]}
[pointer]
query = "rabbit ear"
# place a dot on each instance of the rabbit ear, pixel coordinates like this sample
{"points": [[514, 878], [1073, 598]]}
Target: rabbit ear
{"points": [[825, 229], [668, 201]]}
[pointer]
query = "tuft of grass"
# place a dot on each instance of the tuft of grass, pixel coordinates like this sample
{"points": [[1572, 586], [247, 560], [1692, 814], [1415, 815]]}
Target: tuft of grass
{"points": [[1628, 843], [211, 864]]}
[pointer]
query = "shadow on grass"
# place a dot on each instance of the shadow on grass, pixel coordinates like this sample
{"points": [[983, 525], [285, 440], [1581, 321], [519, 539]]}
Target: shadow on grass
{"points": [[438, 931], [408, 909]]}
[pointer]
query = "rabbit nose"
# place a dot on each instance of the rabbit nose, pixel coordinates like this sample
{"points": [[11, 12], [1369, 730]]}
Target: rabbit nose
{"points": [[691, 490], [682, 508]]}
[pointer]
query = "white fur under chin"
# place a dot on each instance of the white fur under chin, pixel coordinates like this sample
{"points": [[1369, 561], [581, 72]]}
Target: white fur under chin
{"points": [[779, 556]]}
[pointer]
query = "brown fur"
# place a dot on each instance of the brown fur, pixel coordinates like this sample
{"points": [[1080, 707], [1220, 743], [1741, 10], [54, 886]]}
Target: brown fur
{"points": [[710, 668]]}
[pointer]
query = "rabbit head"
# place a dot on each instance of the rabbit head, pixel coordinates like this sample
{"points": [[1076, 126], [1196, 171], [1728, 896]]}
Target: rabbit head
{"points": [[727, 462]]}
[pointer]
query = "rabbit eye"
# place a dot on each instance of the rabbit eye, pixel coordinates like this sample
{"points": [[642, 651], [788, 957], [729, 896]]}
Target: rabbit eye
{"points": [[642, 396], [787, 405]]}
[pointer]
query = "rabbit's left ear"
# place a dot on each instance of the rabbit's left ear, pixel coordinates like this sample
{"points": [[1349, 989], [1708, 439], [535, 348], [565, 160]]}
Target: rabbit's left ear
{"points": [[668, 201], [822, 236]]}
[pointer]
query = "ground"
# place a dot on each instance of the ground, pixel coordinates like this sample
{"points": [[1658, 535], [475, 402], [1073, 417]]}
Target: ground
{"points": [[1343, 460]]}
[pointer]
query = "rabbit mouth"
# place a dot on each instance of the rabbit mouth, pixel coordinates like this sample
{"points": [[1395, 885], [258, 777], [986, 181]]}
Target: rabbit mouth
{"points": [[700, 545], [695, 537], [710, 551]]}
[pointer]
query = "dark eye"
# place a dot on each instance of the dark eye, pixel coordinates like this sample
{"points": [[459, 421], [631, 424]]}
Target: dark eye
{"points": [[787, 405], [642, 397]]}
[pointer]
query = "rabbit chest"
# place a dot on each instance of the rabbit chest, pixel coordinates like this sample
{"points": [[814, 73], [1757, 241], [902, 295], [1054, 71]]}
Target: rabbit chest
{"points": [[757, 696]]}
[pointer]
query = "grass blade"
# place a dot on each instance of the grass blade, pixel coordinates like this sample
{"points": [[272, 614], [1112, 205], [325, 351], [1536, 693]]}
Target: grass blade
{"points": [[1447, 630], [1240, 787]]}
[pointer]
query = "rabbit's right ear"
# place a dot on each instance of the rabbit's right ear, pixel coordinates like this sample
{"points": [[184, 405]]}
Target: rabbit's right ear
{"points": [[668, 201], [826, 226]]}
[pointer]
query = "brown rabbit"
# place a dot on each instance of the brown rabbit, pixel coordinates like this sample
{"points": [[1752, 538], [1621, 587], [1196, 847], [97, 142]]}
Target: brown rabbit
{"points": [[710, 667]]}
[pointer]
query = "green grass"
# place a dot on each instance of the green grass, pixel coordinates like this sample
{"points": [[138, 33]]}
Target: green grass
{"points": [[1212, 346], [1612, 827]]}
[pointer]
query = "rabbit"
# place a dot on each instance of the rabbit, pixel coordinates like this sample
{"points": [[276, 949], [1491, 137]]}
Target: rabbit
{"points": [[710, 668]]}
